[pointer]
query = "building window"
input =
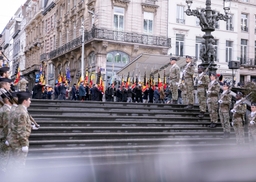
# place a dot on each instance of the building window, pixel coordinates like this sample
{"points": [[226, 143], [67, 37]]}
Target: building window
{"points": [[118, 18], [118, 57], [229, 23], [244, 22], [229, 45], [180, 15], [74, 30], [179, 45], [243, 51], [148, 22], [199, 41]]}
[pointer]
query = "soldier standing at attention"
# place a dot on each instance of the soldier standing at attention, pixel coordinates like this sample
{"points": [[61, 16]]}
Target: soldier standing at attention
{"points": [[212, 100], [224, 108], [202, 86], [189, 81], [174, 80], [238, 111], [20, 130], [4, 130], [252, 123]]}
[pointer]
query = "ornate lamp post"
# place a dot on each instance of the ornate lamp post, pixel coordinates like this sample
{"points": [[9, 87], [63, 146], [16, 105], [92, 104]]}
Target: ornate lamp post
{"points": [[208, 19]]}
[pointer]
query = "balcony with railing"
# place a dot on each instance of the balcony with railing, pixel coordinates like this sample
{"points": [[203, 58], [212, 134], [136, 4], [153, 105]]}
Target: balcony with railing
{"points": [[43, 56], [248, 63], [114, 36]]}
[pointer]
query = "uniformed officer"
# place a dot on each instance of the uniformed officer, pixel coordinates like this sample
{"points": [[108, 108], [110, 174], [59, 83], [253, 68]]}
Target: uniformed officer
{"points": [[224, 108], [188, 74], [20, 130], [174, 79], [238, 111], [252, 123], [212, 100], [202, 86]]}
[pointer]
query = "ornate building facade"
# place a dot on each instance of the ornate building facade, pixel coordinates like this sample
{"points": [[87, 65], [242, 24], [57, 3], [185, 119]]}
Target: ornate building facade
{"points": [[115, 33]]}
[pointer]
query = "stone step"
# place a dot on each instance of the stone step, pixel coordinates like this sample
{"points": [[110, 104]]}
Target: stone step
{"points": [[54, 122], [123, 118], [138, 141], [123, 135]]}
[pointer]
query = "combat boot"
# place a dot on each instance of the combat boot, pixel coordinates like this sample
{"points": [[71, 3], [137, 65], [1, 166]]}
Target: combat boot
{"points": [[210, 125], [190, 106], [175, 101], [213, 125], [201, 115]]}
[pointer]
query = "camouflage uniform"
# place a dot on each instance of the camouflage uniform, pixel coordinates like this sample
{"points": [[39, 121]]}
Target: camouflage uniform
{"points": [[224, 109], [202, 86], [237, 121], [189, 82], [183, 93], [252, 127], [19, 133], [174, 79], [4, 130], [212, 100]]}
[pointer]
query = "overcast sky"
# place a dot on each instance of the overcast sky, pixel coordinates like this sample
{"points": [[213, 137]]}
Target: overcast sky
{"points": [[8, 9]]}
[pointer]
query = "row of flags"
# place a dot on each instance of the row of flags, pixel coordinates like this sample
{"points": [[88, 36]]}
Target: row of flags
{"points": [[146, 82]]}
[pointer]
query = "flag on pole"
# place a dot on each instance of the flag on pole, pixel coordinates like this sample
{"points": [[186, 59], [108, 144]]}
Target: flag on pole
{"points": [[17, 79]]}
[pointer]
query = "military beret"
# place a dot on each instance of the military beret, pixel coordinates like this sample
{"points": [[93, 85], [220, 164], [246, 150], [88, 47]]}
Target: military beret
{"points": [[6, 80], [173, 58], [213, 74], [1, 57], [253, 104], [23, 95], [226, 84], [4, 69], [187, 56]]}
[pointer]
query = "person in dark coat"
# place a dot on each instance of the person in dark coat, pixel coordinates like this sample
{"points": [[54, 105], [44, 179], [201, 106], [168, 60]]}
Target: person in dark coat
{"points": [[97, 93], [129, 94], [56, 91], [124, 94], [62, 91], [73, 92], [39, 92], [118, 95], [34, 90], [138, 93], [87, 89], [92, 90], [151, 94], [82, 91]]}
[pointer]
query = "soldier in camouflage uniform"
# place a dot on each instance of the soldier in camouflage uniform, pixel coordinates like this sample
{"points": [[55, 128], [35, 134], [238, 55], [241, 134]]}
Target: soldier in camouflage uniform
{"points": [[174, 80], [20, 130], [252, 123], [188, 74], [212, 99], [238, 111], [183, 93], [202, 86], [4, 130], [224, 108]]}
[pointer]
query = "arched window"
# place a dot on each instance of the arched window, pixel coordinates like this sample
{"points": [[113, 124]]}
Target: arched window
{"points": [[118, 57], [91, 59]]}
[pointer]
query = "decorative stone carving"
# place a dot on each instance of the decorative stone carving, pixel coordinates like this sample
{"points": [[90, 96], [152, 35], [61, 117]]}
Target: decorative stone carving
{"points": [[91, 4], [120, 3]]}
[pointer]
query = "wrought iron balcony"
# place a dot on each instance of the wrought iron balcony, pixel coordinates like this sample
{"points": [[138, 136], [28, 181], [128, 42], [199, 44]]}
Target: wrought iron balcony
{"points": [[111, 35], [248, 63], [43, 56]]}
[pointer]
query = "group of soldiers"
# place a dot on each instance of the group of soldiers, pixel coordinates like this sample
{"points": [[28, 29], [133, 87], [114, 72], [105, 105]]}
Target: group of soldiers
{"points": [[15, 124], [217, 98]]}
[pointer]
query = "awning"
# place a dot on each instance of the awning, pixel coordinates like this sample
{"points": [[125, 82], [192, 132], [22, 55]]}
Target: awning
{"points": [[150, 63]]}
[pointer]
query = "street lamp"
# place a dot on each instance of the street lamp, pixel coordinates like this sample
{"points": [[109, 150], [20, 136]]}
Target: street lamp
{"points": [[82, 56], [207, 20]]}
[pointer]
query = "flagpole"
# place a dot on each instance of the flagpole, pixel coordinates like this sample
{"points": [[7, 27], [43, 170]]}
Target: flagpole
{"points": [[82, 56]]}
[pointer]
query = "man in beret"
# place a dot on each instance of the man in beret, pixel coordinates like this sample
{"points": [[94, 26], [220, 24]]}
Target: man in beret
{"points": [[212, 99], [252, 123], [4, 72], [20, 130], [239, 111], [174, 79], [188, 74], [224, 108]]}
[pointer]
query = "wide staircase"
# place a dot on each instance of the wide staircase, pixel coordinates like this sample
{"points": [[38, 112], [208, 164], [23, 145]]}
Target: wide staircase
{"points": [[77, 133]]}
